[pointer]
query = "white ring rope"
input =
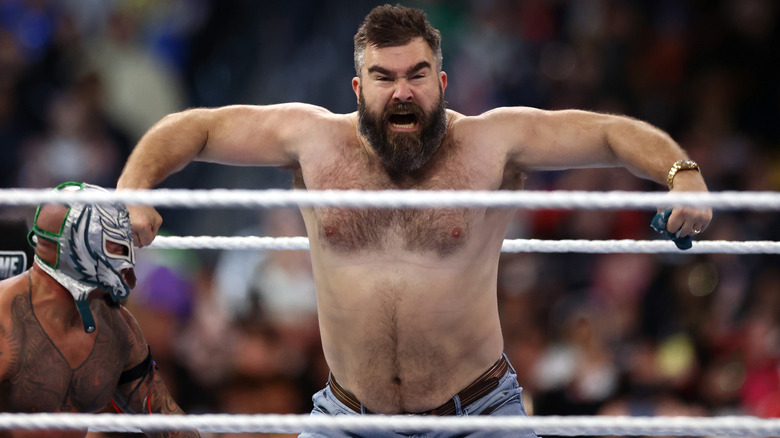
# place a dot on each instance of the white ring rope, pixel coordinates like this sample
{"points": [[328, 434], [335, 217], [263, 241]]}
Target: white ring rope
{"points": [[731, 426], [624, 246], [401, 198]]}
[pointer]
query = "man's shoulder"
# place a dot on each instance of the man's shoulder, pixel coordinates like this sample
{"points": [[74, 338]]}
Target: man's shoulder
{"points": [[493, 125], [127, 319], [494, 114], [10, 288], [337, 119], [308, 109], [466, 123], [315, 117], [463, 127], [137, 345], [326, 130]]}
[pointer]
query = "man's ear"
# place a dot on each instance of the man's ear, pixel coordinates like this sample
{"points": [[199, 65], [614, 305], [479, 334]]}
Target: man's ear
{"points": [[443, 80], [356, 87]]}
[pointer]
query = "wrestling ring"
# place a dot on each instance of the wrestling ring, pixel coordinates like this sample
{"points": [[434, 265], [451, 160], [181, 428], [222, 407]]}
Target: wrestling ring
{"points": [[734, 426]]}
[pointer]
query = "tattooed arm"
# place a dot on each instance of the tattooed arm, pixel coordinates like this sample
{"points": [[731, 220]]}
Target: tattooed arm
{"points": [[141, 388]]}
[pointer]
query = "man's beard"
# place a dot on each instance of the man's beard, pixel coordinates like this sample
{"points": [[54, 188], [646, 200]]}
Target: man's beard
{"points": [[403, 152]]}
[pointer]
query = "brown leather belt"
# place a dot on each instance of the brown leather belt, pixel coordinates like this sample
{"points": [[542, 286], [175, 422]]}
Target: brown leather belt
{"points": [[476, 390]]}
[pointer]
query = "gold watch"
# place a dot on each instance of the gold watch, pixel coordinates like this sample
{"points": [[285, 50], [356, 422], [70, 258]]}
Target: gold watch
{"points": [[678, 166]]}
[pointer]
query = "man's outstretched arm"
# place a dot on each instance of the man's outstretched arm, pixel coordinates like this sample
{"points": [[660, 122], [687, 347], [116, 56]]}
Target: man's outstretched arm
{"points": [[548, 140], [238, 134]]}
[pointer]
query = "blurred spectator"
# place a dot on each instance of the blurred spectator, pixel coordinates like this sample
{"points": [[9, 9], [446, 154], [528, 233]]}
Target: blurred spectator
{"points": [[274, 287], [77, 144], [140, 87], [577, 373]]}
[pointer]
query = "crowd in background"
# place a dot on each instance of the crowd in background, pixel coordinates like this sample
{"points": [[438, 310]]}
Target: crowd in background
{"points": [[236, 331]]}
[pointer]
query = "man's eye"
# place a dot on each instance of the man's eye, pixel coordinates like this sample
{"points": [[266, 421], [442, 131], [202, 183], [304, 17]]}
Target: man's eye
{"points": [[117, 249]]}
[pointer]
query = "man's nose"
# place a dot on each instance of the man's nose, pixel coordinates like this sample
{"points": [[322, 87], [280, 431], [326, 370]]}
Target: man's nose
{"points": [[402, 92]]}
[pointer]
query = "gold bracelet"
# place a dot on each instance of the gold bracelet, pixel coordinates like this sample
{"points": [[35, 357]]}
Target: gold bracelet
{"points": [[678, 166]]}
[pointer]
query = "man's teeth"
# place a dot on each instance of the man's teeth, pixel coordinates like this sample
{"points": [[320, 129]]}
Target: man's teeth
{"points": [[408, 125]]}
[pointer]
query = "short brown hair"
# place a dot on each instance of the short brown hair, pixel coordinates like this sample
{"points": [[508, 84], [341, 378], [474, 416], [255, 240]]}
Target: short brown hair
{"points": [[392, 26]]}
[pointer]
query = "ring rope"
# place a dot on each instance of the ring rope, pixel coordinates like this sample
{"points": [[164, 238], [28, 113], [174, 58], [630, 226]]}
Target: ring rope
{"points": [[625, 246], [552, 425], [400, 198], [733, 426]]}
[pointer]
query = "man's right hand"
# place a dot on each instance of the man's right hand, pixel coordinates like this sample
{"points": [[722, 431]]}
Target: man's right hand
{"points": [[145, 222]]}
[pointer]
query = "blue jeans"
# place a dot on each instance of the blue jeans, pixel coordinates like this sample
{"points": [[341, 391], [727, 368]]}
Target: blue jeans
{"points": [[504, 400]]}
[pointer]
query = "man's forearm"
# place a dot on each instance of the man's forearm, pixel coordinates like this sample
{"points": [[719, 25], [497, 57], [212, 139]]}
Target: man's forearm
{"points": [[167, 147], [643, 149]]}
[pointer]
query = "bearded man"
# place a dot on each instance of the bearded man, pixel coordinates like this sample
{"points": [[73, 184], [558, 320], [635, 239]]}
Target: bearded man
{"points": [[407, 298]]}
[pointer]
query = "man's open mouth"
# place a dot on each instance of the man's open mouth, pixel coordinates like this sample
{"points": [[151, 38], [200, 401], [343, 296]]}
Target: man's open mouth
{"points": [[404, 121]]}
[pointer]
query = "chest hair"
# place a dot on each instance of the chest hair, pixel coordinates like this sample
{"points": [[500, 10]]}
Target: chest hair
{"points": [[438, 230]]}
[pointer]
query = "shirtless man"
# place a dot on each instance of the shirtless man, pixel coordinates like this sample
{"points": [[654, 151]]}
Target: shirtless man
{"points": [[66, 342], [407, 299]]}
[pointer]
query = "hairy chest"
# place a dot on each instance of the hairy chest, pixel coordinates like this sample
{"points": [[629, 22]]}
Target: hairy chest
{"points": [[437, 230], [41, 378]]}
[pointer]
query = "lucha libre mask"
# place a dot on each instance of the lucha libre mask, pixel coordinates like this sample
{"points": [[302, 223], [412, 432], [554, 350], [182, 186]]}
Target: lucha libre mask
{"points": [[83, 261]]}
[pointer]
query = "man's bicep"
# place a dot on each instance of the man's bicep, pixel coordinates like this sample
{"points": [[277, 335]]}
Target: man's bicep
{"points": [[259, 135], [550, 140], [133, 384], [146, 394]]}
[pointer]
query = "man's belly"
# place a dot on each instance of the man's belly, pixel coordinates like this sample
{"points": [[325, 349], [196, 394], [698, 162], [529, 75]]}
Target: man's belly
{"points": [[408, 342]]}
